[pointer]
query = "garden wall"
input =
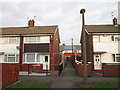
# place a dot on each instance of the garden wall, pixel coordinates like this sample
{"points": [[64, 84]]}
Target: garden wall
{"points": [[111, 69], [78, 65]]}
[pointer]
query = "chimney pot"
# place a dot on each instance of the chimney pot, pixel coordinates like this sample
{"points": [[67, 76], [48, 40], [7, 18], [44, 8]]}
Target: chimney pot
{"points": [[115, 21], [31, 23]]}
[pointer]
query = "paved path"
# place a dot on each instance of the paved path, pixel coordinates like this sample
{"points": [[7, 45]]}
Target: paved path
{"points": [[68, 78]]}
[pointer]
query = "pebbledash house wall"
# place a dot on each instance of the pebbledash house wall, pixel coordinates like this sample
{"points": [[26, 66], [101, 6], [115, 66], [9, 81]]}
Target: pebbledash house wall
{"points": [[106, 44], [8, 48]]}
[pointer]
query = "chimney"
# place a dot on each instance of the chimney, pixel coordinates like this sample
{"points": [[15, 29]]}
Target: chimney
{"points": [[31, 23], [115, 21]]}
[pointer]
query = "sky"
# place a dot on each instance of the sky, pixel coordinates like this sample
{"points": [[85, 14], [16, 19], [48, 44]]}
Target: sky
{"points": [[64, 13]]}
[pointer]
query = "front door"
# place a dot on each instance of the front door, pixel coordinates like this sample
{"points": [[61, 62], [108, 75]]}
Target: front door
{"points": [[46, 62], [97, 62]]}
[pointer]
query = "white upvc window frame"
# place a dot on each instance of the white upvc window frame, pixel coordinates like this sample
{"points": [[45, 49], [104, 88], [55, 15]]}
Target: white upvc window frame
{"points": [[114, 38], [36, 39], [115, 56], [35, 61], [7, 56], [17, 40]]}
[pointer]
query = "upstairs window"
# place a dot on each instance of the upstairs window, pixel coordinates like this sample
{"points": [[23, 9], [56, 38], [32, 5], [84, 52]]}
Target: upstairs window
{"points": [[32, 39], [115, 37], [12, 40], [40, 39]]}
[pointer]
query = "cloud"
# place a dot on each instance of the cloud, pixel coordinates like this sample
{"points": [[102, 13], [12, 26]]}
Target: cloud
{"points": [[65, 13]]}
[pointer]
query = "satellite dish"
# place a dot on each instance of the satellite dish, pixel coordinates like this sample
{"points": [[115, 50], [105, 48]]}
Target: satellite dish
{"points": [[18, 47]]}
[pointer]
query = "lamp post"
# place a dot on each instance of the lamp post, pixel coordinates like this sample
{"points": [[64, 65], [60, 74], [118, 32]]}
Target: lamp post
{"points": [[82, 11], [72, 46]]}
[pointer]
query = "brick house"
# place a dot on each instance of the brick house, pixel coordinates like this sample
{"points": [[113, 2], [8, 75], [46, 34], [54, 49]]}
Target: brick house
{"points": [[34, 45], [102, 44]]}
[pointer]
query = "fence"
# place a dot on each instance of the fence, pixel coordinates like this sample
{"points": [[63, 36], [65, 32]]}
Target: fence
{"points": [[9, 73], [79, 67], [111, 69]]}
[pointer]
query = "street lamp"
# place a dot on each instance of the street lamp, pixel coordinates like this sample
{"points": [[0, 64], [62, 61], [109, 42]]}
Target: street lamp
{"points": [[82, 11]]}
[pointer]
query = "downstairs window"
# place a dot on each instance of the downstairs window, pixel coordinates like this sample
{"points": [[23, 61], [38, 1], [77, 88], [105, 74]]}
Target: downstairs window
{"points": [[11, 58], [31, 58]]}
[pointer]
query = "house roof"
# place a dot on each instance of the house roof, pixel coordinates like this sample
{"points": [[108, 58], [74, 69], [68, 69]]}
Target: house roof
{"points": [[27, 30], [102, 28]]}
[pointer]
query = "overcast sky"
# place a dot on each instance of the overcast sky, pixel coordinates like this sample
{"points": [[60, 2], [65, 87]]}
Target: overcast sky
{"points": [[64, 13]]}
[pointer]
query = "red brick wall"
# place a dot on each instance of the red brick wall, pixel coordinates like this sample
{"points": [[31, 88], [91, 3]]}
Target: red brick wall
{"points": [[79, 67], [9, 73], [24, 67], [89, 48], [57, 60], [54, 48], [111, 69]]}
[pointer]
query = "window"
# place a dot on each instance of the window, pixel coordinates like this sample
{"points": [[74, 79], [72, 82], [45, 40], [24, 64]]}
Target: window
{"points": [[116, 57], [115, 37], [32, 39], [31, 58], [42, 39], [96, 38], [45, 39], [13, 40], [11, 58], [46, 58]]}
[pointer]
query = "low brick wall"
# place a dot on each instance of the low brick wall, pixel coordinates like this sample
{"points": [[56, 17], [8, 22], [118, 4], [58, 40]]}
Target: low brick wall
{"points": [[79, 67], [9, 73], [35, 67], [111, 69]]}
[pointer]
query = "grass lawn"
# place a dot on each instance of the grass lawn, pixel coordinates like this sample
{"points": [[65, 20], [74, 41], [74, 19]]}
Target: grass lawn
{"points": [[32, 85], [103, 85]]}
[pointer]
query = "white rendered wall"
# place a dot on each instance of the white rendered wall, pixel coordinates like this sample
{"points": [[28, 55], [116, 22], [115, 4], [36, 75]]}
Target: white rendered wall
{"points": [[106, 45], [7, 48]]}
